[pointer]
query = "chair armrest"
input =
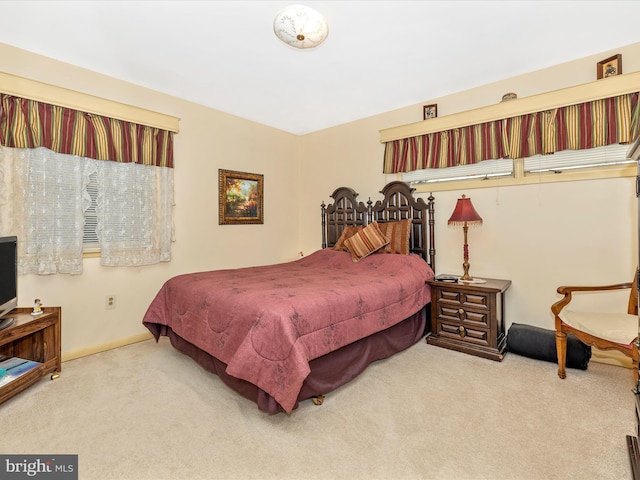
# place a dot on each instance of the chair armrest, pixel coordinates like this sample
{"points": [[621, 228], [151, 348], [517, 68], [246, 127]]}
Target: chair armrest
{"points": [[567, 290]]}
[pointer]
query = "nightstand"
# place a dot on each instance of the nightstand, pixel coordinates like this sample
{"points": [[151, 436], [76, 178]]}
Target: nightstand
{"points": [[469, 317]]}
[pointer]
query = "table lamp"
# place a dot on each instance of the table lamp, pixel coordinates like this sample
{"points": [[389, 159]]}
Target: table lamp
{"points": [[464, 214]]}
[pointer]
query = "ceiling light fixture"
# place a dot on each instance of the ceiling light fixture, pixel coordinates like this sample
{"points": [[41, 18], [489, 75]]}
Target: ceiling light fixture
{"points": [[300, 26]]}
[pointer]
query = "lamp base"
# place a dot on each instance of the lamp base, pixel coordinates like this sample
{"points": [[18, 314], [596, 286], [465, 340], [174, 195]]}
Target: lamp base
{"points": [[471, 280]]}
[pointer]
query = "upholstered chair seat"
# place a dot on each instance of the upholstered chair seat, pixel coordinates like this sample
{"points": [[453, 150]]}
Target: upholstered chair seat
{"points": [[606, 331]]}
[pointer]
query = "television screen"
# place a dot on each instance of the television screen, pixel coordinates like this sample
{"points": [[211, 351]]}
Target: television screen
{"points": [[8, 274]]}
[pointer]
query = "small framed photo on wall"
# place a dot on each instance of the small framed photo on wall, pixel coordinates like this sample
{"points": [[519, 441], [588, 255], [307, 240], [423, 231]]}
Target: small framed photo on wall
{"points": [[610, 67], [430, 111]]}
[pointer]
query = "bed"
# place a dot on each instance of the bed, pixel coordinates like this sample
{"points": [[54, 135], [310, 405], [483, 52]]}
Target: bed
{"points": [[281, 334]]}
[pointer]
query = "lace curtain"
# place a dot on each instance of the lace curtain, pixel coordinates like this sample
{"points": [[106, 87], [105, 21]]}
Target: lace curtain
{"points": [[137, 231], [43, 199]]}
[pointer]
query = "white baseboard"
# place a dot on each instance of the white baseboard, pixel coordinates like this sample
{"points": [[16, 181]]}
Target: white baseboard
{"points": [[105, 346]]}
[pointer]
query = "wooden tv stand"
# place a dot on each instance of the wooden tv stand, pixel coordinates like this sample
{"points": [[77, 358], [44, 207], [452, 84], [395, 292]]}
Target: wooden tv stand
{"points": [[33, 337]]}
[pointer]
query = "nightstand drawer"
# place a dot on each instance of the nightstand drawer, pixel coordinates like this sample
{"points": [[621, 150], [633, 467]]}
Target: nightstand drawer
{"points": [[463, 299], [463, 333], [464, 315]]}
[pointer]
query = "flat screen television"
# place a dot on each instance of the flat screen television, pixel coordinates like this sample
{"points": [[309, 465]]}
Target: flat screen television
{"points": [[8, 277]]}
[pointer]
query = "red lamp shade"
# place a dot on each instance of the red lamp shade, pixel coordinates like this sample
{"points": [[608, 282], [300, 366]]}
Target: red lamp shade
{"points": [[464, 213]]}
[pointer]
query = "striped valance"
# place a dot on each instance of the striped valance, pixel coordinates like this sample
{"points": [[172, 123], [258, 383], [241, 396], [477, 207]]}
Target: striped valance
{"points": [[586, 125], [28, 123]]}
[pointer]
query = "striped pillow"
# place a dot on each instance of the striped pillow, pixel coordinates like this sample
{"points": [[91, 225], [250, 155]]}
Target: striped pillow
{"points": [[398, 235], [365, 242], [346, 233]]}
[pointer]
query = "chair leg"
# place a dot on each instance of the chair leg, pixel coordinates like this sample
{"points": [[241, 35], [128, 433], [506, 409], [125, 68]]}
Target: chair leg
{"points": [[561, 351]]}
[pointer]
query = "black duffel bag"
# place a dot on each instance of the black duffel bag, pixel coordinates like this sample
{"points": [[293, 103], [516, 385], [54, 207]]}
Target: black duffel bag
{"points": [[540, 343]]}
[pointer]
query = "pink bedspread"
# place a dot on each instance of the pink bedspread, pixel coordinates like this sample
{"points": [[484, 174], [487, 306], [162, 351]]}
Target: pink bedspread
{"points": [[266, 323]]}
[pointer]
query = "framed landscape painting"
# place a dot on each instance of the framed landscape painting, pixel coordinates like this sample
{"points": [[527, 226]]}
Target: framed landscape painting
{"points": [[240, 198]]}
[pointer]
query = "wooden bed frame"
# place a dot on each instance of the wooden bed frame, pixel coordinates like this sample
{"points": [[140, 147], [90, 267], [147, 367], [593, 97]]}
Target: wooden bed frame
{"points": [[398, 204], [333, 370]]}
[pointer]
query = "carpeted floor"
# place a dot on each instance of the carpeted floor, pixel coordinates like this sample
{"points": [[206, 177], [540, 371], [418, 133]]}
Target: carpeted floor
{"points": [[146, 411]]}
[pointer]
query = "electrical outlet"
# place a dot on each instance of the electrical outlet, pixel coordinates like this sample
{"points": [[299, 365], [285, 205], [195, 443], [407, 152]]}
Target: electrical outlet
{"points": [[109, 302]]}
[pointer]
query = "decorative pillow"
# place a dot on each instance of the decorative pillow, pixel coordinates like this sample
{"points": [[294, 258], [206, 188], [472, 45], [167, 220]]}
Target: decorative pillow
{"points": [[398, 235], [346, 233], [365, 242]]}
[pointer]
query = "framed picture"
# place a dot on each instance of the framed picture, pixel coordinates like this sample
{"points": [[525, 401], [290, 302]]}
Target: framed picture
{"points": [[610, 67], [430, 111], [240, 198]]}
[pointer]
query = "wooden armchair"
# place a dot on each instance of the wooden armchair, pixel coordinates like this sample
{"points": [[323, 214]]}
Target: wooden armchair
{"points": [[606, 331]]}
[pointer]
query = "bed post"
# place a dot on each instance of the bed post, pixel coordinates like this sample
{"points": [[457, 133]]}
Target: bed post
{"points": [[432, 236], [324, 224]]}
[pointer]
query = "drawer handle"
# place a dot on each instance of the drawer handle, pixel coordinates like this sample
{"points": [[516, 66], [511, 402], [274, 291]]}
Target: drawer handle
{"points": [[461, 311], [462, 331]]}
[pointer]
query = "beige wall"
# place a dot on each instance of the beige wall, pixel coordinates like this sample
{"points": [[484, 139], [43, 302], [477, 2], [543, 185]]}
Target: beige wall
{"points": [[208, 140], [539, 236]]}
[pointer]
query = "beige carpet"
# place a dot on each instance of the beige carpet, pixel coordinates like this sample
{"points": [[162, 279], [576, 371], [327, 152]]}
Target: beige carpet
{"points": [[146, 411]]}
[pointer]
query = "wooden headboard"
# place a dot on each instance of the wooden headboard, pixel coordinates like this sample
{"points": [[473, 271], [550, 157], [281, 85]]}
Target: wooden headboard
{"points": [[398, 204], [345, 211]]}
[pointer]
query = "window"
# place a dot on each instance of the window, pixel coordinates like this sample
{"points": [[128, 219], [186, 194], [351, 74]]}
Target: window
{"points": [[577, 159], [574, 119], [134, 211], [74, 181], [590, 163], [61, 205], [477, 171], [90, 242]]}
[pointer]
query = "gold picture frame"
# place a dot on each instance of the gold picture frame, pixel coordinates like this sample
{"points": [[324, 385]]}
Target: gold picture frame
{"points": [[609, 67], [240, 198], [430, 111]]}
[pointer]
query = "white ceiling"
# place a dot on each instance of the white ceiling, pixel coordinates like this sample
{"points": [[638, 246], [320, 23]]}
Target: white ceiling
{"points": [[379, 56]]}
